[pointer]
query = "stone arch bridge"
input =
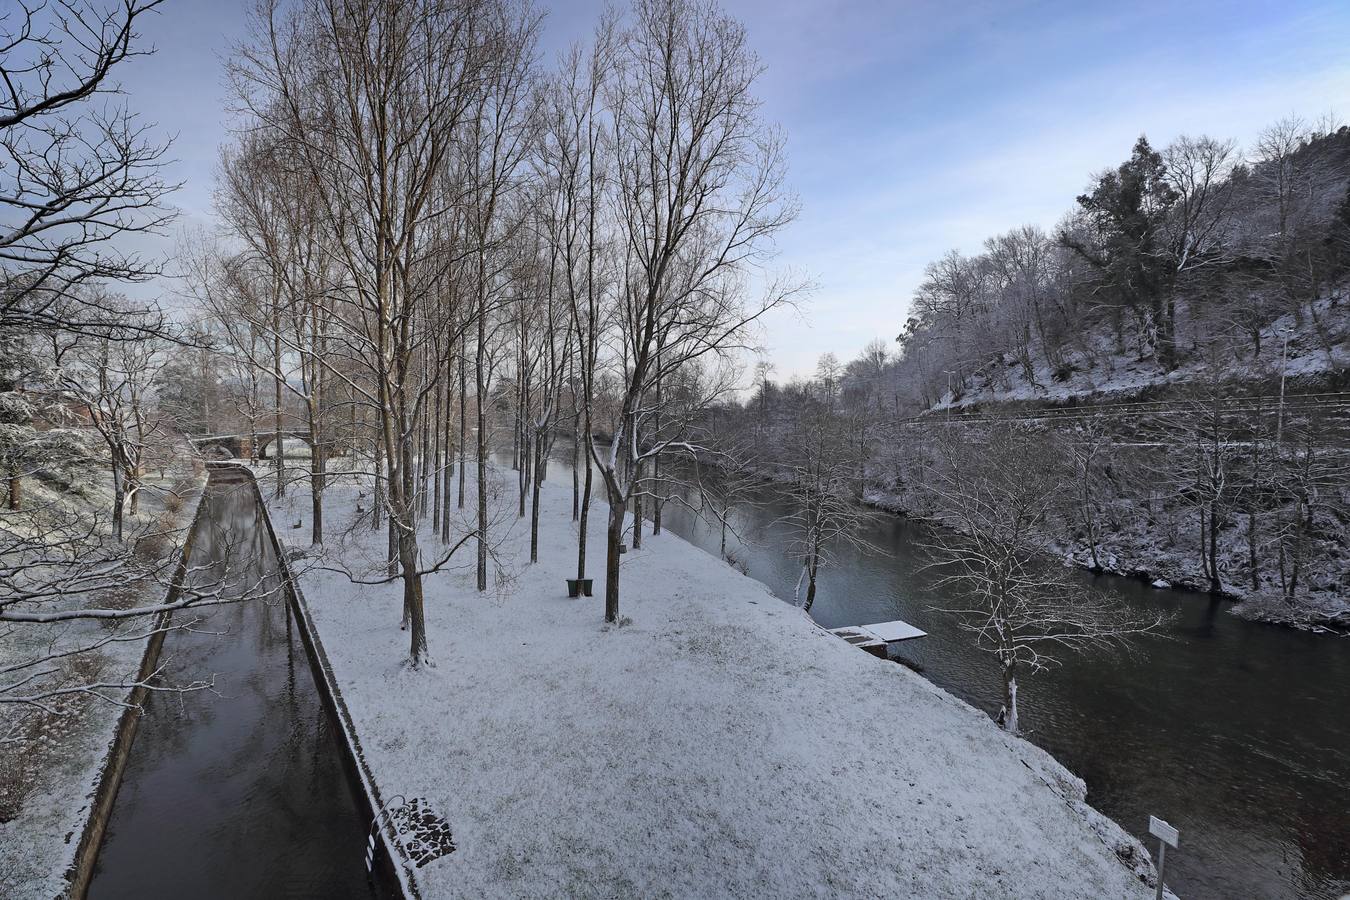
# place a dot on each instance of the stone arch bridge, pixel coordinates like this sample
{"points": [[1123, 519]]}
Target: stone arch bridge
{"points": [[243, 445]]}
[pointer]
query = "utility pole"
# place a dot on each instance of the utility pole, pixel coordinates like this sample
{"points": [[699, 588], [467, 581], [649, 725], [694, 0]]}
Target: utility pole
{"points": [[1279, 417]]}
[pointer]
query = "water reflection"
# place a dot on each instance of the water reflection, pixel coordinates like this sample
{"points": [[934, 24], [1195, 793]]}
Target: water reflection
{"points": [[240, 792]]}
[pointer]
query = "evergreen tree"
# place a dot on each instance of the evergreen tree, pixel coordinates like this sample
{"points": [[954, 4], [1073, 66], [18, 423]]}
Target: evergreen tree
{"points": [[1127, 208]]}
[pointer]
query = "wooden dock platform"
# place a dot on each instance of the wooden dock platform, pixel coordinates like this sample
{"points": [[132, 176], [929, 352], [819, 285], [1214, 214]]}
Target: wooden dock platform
{"points": [[874, 639]]}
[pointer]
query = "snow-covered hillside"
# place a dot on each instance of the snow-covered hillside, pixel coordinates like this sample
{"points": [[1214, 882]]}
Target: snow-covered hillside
{"points": [[1317, 354]]}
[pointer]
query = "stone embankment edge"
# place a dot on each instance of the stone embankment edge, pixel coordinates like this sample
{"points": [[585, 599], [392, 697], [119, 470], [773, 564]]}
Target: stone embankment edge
{"points": [[395, 868], [81, 871]]}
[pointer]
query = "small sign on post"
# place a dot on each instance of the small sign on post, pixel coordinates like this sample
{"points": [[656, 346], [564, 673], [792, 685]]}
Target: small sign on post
{"points": [[1167, 837]]}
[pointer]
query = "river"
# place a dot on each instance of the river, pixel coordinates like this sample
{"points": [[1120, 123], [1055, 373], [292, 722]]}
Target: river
{"points": [[239, 791], [1235, 732]]}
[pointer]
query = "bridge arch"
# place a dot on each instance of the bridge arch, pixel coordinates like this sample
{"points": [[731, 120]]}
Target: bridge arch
{"points": [[268, 438], [231, 444], [244, 445]]}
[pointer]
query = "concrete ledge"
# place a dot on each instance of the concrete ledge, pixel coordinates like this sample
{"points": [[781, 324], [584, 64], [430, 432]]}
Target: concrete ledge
{"points": [[115, 764], [394, 867]]}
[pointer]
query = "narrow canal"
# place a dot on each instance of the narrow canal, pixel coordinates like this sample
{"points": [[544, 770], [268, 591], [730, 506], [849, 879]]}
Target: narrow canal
{"points": [[1236, 732], [239, 791]]}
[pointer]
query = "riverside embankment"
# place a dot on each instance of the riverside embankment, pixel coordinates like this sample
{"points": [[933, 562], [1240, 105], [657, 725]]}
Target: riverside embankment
{"points": [[715, 743]]}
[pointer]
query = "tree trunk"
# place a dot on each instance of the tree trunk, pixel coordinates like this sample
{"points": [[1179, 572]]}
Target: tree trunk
{"points": [[523, 476], [584, 518], [277, 444], [1215, 587], [616, 513], [1251, 548], [1169, 330], [253, 422], [1252, 502], [119, 498], [1090, 526], [318, 467], [1162, 309], [515, 436], [448, 454], [438, 452], [576, 463], [1296, 549], [1008, 715], [811, 581], [463, 419], [637, 509], [413, 606], [657, 502], [377, 502], [423, 457], [133, 491], [534, 500], [481, 385], [1204, 541], [15, 492]]}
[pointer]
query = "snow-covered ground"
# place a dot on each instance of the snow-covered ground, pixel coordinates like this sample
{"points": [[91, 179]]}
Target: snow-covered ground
{"points": [[716, 743], [50, 765]]}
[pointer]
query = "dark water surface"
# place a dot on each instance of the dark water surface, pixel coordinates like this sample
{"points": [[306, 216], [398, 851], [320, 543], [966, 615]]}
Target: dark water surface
{"points": [[1235, 732], [238, 793]]}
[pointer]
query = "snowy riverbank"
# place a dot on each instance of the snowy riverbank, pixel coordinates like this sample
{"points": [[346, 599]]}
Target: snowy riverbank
{"points": [[1136, 550], [1303, 354], [718, 744], [51, 764]]}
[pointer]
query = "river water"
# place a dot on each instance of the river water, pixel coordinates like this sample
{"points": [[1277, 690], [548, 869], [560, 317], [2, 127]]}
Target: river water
{"points": [[1235, 732], [237, 792]]}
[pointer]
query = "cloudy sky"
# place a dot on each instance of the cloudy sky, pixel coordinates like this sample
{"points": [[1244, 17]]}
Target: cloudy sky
{"points": [[913, 127]]}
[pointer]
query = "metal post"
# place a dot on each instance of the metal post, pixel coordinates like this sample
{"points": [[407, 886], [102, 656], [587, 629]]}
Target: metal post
{"points": [[1284, 365], [1167, 836]]}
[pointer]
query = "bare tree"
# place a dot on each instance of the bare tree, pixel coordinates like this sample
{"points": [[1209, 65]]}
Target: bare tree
{"points": [[720, 494], [994, 498], [1309, 480], [698, 197], [226, 287], [276, 301], [574, 136], [1299, 186], [1086, 449], [823, 515], [496, 148], [1199, 171], [77, 174], [369, 98], [112, 382], [24, 447], [555, 347]]}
